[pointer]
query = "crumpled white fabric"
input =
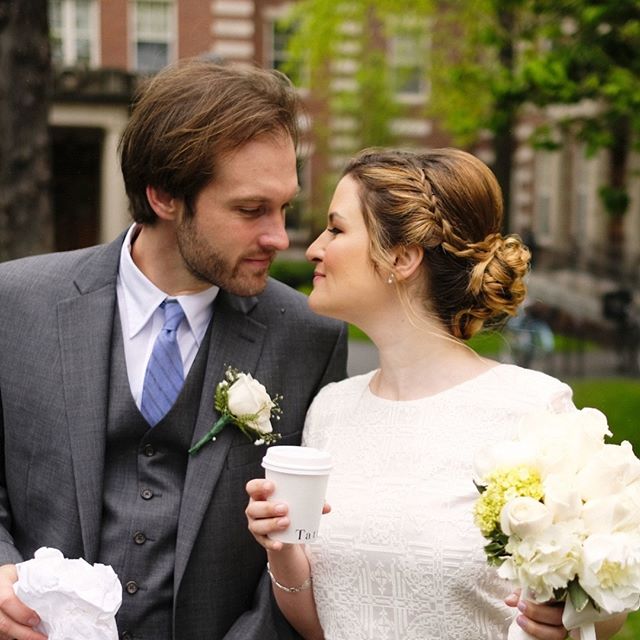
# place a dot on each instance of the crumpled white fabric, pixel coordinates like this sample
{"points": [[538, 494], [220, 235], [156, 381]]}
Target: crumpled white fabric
{"points": [[73, 598]]}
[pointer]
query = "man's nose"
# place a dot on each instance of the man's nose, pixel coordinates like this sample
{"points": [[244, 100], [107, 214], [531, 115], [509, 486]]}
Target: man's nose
{"points": [[275, 236]]}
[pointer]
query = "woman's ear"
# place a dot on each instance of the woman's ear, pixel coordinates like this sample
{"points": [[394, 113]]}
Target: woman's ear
{"points": [[164, 204], [407, 261]]}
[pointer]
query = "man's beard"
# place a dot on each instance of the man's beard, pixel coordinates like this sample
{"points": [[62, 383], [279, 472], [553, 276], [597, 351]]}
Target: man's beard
{"points": [[209, 266]]}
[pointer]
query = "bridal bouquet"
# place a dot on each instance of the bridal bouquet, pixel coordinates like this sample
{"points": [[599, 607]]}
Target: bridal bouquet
{"points": [[561, 511]]}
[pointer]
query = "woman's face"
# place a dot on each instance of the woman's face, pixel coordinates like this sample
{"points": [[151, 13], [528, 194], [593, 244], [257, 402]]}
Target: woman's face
{"points": [[345, 284]]}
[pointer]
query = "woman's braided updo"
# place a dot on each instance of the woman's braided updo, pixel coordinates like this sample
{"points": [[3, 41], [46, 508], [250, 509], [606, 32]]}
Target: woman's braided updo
{"points": [[449, 203]]}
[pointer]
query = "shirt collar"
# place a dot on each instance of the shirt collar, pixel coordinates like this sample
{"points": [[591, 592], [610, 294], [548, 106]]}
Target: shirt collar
{"points": [[142, 297]]}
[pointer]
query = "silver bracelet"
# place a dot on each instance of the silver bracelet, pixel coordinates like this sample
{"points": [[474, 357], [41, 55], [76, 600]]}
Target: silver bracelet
{"points": [[303, 587]]}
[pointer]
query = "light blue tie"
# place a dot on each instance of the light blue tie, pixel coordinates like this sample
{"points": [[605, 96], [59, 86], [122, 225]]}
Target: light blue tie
{"points": [[164, 377]]}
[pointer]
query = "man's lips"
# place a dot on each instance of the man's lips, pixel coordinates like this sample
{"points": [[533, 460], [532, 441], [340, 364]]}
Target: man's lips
{"points": [[260, 261]]}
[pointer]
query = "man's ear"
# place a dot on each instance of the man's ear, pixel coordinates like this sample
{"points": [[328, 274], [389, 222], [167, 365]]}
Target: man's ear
{"points": [[407, 261], [164, 204]]}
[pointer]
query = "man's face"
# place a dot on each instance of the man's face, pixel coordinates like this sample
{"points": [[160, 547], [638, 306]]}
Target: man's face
{"points": [[238, 222]]}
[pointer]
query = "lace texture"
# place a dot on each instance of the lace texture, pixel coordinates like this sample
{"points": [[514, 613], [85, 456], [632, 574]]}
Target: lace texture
{"points": [[399, 557]]}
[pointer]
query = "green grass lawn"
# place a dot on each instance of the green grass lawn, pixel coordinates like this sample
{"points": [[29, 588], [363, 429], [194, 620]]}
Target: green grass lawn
{"points": [[619, 399]]}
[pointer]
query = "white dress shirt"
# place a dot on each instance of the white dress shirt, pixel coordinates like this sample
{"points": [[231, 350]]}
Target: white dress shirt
{"points": [[141, 318]]}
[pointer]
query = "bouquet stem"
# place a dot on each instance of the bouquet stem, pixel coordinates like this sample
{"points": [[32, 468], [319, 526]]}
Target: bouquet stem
{"points": [[211, 434]]}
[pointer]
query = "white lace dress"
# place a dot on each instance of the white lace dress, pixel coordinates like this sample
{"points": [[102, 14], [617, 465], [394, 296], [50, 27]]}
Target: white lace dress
{"points": [[399, 557]]}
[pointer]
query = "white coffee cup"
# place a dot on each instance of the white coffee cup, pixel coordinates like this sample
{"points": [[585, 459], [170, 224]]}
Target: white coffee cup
{"points": [[300, 475]]}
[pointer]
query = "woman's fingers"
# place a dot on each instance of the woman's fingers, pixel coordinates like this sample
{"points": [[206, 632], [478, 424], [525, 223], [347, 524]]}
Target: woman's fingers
{"points": [[265, 517], [543, 621], [259, 488]]}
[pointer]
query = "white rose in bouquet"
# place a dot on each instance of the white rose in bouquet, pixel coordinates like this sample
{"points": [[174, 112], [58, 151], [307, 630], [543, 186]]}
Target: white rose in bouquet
{"points": [[610, 570], [562, 497], [524, 517], [609, 471], [561, 513], [544, 562], [564, 441], [619, 512]]}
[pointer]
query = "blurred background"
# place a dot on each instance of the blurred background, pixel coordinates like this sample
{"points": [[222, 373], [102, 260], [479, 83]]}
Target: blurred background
{"points": [[547, 92]]}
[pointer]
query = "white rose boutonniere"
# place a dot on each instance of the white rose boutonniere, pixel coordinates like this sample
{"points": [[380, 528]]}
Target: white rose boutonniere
{"points": [[245, 403]]}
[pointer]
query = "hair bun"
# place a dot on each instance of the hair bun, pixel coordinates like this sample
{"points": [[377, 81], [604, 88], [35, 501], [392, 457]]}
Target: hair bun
{"points": [[497, 280]]}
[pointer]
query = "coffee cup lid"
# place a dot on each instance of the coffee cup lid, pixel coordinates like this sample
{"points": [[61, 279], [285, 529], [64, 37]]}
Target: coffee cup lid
{"points": [[297, 460]]}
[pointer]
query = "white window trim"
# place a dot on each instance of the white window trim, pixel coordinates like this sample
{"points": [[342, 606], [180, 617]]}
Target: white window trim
{"points": [[271, 16], [172, 41], [412, 97], [69, 34], [548, 190]]}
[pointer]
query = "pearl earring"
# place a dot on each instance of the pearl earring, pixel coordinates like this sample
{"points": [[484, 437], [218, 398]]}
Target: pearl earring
{"points": [[390, 279]]}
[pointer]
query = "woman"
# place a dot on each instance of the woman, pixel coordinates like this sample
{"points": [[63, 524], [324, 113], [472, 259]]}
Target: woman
{"points": [[412, 255]]}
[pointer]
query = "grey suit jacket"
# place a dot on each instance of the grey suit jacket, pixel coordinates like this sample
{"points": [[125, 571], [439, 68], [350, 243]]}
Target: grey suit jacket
{"points": [[56, 319]]}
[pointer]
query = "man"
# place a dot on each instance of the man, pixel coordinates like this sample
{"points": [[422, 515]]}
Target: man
{"points": [[92, 463]]}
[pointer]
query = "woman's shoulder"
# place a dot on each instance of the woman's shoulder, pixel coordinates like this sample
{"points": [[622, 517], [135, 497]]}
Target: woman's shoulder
{"points": [[535, 387], [348, 387]]}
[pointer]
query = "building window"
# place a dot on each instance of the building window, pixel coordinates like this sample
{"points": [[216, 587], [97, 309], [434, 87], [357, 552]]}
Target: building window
{"points": [[545, 167], [581, 195], [278, 56], [154, 22], [409, 46], [74, 33]]}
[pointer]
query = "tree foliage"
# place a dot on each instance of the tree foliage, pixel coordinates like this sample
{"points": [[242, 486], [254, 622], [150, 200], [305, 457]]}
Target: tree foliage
{"points": [[488, 60], [334, 35], [590, 56]]}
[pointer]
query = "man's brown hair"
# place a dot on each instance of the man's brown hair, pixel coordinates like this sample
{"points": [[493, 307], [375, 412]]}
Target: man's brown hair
{"points": [[190, 115]]}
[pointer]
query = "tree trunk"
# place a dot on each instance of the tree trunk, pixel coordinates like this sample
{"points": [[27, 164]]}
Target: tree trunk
{"points": [[504, 140], [25, 80], [615, 195], [504, 145]]}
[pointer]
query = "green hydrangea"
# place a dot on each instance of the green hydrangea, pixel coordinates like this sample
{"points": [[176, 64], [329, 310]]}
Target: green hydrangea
{"points": [[502, 486]]}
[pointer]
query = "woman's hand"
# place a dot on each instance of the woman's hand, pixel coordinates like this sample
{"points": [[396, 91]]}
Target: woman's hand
{"points": [[265, 517], [543, 621]]}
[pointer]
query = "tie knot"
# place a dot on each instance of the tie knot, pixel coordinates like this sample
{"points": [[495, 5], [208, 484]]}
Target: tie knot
{"points": [[173, 315]]}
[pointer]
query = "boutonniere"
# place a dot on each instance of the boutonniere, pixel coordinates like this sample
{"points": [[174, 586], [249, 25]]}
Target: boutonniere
{"points": [[245, 403]]}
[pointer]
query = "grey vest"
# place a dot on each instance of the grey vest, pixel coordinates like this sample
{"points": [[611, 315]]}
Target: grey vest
{"points": [[143, 482]]}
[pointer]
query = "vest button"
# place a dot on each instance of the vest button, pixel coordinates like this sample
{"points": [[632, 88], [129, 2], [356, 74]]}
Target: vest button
{"points": [[126, 636], [148, 450], [131, 587], [146, 494], [139, 537]]}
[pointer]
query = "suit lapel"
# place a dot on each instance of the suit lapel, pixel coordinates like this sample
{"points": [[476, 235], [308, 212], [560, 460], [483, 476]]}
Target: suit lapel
{"points": [[85, 325], [236, 341]]}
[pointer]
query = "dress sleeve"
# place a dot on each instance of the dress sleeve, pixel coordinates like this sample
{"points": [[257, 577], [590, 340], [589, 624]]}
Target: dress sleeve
{"points": [[313, 433]]}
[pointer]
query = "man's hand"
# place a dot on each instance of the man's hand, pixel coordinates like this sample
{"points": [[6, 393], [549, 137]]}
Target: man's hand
{"points": [[16, 619]]}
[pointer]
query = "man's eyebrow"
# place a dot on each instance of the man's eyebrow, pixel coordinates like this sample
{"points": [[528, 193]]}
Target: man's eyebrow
{"points": [[259, 197]]}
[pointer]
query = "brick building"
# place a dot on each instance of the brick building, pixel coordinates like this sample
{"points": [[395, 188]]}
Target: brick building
{"points": [[101, 48]]}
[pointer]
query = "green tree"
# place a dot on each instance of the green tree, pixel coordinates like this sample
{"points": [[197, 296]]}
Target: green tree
{"points": [[343, 45], [25, 210], [588, 54], [471, 70], [475, 79], [489, 59]]}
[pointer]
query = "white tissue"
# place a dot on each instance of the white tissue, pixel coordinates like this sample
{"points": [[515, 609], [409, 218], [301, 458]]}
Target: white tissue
{"points": [[73, 598]]}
